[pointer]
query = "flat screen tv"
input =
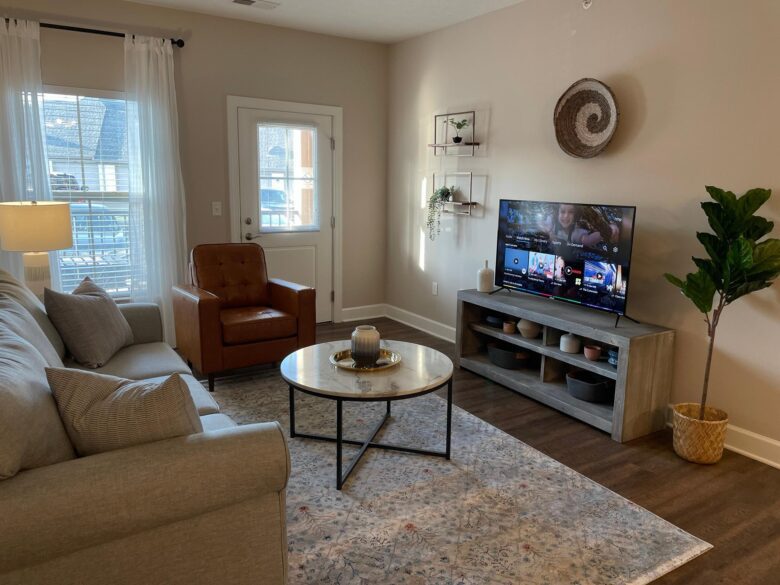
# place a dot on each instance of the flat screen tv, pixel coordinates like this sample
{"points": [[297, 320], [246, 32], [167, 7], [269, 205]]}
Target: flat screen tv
{"points": [[579, 253]]}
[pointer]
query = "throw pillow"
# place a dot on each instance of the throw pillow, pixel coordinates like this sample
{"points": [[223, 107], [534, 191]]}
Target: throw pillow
{"points": [[16, 319], [31, 431], [13, 289], [103, 413], [89, 322]]}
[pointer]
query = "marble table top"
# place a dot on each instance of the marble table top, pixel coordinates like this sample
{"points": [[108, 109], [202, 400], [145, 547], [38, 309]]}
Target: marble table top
{"points": [[421, 369]]}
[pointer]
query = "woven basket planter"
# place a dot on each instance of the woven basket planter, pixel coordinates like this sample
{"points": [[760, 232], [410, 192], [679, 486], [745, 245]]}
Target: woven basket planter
{"points": [[699, 441]]}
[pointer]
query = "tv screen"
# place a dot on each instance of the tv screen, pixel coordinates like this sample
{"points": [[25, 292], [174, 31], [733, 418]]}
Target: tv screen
{"points": [[573, 252]]}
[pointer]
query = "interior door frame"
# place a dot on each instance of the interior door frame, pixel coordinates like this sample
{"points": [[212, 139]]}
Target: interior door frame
{"points": [[234, 103]]}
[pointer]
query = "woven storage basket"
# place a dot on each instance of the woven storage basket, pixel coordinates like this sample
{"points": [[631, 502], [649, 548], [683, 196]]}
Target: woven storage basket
{"points": [[700, 441]]}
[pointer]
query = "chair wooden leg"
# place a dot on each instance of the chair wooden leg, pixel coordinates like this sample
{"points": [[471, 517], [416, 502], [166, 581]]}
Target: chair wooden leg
{"points": [[211, 382]]}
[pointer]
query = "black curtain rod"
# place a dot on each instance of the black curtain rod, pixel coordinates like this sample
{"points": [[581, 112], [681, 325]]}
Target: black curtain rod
{"points": [[94, 31]]}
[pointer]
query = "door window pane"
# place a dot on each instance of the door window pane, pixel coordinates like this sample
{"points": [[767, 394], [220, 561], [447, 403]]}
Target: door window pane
{"points": [[287, 182]]}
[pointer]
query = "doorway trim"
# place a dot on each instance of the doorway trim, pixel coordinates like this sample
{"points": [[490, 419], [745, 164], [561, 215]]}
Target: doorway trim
{"points": [[337, 114]]}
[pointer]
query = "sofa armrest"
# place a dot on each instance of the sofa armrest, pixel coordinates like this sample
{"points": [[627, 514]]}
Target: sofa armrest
{"points": [[198, 328], [145, 321], [297, 300], [59, 509]]}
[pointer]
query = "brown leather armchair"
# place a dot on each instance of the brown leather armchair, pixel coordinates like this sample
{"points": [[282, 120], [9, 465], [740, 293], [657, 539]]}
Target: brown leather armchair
{"points": [[234, 316]]}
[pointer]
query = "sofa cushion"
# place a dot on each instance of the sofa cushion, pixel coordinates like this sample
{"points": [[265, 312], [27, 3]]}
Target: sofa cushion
{"points": [[12, 288], [145, 321], [31, 432], [16, 319], [104, 413], [236, 273], [89, 321], [141, 361], [216, 422], [204, 401], [249, 324]]}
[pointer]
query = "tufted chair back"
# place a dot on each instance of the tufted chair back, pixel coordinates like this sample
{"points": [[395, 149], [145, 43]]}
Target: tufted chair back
{"points": [[236, 273]]}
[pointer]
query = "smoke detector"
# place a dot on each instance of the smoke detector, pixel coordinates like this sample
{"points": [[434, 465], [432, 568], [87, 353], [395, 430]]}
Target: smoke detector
{"points": [[265, 4]]}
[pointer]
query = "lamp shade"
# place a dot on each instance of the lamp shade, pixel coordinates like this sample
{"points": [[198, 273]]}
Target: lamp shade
{"points": [[35, 226]]}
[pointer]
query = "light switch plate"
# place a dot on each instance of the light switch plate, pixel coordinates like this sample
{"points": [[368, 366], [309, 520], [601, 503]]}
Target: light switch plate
{"points": [[216, 208]]}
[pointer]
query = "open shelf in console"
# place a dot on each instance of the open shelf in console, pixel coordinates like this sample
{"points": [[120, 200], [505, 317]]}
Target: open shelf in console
{"points": [[550, 393], [577, 359], [642, 379]]}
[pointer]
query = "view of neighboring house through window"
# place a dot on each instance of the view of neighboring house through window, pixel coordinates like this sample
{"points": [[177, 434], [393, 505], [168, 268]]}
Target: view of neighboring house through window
{"points": [[87, 148], [286, 177]]}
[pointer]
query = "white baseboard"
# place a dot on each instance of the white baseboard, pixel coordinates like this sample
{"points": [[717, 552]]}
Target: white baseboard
{"points": [[363, 312], [759, 447], [750, 444], [425, 324]]}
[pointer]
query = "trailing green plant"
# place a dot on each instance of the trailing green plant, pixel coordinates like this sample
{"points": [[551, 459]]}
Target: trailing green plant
{"points": [[458, 125], [436, 204], [739, 261]]}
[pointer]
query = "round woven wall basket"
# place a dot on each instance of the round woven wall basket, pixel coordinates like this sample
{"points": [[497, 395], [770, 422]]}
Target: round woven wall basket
{"points": [[700, 441], [586, 117]]}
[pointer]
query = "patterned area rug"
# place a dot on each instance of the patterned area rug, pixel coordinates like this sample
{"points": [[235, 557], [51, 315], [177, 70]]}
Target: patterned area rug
{"points": [[499, 512]]}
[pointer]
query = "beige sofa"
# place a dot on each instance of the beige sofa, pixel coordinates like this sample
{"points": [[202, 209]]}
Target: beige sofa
{"points": [[202, 509]]}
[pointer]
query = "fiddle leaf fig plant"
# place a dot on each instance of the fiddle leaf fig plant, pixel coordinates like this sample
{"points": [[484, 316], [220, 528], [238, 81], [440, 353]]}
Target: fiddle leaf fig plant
{"points": [[739, 260], [436, 204]]}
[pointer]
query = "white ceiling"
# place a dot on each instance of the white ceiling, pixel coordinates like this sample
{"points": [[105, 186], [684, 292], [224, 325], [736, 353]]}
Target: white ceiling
{"points": [[385, 21]]}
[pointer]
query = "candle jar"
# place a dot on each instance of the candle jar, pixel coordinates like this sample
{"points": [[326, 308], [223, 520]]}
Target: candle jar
{"points": [[570, 343], [365, 346]]}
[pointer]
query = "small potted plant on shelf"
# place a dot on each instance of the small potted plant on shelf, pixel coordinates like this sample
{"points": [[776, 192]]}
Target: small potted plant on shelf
{"points": [[436, 203], [740, 262], [458, 125]]}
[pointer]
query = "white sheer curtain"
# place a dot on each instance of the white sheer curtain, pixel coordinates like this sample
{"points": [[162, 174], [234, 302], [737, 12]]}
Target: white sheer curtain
{"points": [[23, 168], [157, 206]]}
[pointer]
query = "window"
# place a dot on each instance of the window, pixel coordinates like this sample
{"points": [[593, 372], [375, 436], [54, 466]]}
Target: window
{"points": [[87, 147], [286, 177]]}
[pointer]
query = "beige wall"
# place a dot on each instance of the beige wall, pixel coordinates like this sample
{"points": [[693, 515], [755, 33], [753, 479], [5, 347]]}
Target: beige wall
{"points": [[230, 57], [697, 82]]}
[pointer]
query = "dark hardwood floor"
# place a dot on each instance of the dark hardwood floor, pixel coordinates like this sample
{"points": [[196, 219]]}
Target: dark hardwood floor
{"points": [[735, 505]]}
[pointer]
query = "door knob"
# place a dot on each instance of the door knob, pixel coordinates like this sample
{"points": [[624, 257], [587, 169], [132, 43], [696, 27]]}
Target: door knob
{"points": [[250, 236]]}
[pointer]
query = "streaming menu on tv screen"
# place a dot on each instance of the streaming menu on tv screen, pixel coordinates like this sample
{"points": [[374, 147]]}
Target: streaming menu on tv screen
{"points": [[572, 252]]}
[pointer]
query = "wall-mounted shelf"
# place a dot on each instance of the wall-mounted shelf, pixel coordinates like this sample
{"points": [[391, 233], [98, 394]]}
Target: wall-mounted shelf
{"points": [[459, 207], [450, 144], [442, 141], [642, 378], [456, 145]]}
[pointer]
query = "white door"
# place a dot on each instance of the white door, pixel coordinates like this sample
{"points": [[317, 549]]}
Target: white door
{"points": [[286, 196]]}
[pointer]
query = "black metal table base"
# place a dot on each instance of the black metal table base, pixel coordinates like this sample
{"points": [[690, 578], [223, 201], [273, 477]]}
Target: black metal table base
{"points": [[341, 475]]}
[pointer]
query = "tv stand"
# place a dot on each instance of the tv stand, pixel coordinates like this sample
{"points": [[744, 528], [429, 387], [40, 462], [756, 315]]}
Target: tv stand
{"points": [[642, 379]]}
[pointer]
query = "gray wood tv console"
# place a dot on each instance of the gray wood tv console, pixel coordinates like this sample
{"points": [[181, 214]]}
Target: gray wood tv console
{"points": [[642, 378]]}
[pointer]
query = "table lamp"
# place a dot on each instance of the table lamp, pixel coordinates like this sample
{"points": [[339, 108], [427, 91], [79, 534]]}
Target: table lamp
{"points": [[35, 228]]}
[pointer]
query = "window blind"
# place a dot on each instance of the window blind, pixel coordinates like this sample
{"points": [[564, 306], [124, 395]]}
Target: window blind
{"points": [[86, 142]]}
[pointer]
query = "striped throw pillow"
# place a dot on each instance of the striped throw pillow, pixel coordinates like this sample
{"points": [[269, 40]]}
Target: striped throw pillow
{"points": [[103, 413]]}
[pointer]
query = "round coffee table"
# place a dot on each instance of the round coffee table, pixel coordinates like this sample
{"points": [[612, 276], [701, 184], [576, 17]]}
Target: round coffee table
{"points": [[422, 370]]}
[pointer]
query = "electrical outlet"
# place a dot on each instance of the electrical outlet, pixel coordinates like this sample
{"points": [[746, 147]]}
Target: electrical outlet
{"points": [[435, 289], [216, 208]]}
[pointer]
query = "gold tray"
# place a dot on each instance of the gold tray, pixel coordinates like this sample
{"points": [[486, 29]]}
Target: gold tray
{"points": [[387, 359]]}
